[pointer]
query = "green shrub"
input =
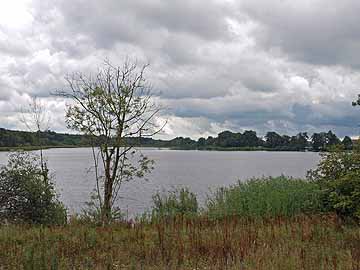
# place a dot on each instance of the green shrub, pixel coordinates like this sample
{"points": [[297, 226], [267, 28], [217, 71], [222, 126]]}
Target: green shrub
{"points": [[27, 194], [343, 195], [265, 197], [180, 201], [338, 175]]}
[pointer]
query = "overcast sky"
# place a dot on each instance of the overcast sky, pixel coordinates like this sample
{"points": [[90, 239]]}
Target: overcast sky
{"points": [[279, 65]]}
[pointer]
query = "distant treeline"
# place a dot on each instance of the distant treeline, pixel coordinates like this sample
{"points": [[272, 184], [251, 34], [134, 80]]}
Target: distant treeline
{"points": [[249, 140], [274, 141], [225, 140], [12, 138]]}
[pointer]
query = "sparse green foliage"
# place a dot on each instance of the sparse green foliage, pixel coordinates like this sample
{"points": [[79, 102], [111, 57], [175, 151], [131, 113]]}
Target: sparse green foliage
{"points": [[27, 193], [111, 107]]}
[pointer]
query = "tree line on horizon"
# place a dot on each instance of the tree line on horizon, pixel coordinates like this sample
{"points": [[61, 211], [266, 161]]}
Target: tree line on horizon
{"points": [[225, 140], [273, 141], [15, 138]]}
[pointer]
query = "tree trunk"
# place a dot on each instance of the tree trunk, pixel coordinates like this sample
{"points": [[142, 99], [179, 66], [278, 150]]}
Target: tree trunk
{"points": [[106, 211]]}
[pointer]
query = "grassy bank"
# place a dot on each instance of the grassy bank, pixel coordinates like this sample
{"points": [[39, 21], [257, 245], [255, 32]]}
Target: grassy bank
{"points": [[302, 242]]}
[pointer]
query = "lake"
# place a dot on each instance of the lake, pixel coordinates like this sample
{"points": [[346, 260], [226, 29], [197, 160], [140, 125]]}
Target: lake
{"points": [[201, 171]]}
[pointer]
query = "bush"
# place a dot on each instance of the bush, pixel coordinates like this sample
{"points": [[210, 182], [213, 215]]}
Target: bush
{"points": [[27, 194], [265, 197], [180, 201], [338, 175]]}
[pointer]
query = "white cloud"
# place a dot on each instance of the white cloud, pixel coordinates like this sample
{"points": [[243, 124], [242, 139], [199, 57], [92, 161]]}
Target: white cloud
{"points": [[15, 15]]}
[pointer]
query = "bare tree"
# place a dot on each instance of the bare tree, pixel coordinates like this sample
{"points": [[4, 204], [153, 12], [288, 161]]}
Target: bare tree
{"points": [[36, 118], [115, 109]]}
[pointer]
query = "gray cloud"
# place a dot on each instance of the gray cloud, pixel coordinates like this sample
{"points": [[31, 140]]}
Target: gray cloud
{"points": [[282, 65], [317, 32]]}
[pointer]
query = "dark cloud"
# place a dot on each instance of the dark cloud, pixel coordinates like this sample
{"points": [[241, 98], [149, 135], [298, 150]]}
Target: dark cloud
{"points": [[317, 32], [137, 22], [276, 65]]}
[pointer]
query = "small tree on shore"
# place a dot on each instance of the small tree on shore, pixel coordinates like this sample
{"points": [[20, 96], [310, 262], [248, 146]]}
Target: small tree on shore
{"points": [[26, 194], [111, 107], [36, 118]]}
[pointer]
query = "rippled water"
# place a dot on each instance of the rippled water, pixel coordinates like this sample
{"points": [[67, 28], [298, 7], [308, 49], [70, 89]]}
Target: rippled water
{"points": [[199, 170]]}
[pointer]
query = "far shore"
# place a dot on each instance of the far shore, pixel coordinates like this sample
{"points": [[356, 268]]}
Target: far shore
{"points": [[222, 149]]}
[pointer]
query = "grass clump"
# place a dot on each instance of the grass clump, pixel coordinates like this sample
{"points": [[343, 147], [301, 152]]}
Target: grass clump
{"points": [[179, 201], [265, 197]]}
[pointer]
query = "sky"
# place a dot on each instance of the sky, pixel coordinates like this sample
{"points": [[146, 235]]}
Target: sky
{"points": [[270, 65]]}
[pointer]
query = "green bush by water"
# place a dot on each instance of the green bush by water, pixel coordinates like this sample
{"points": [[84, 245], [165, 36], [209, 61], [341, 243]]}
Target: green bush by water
{"points": [[27, 193], [265, 197], [338, 176]]}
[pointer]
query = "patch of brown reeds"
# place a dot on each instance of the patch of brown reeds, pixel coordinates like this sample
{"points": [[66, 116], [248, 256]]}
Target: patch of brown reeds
{"points": [[301, 242]]}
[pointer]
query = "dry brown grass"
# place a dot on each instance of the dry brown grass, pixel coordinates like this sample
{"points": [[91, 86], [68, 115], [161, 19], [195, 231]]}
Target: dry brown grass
{"points": [[303, 242]]}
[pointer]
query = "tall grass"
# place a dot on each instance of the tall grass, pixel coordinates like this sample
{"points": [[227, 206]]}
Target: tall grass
{"points": [[179, 201], [302, 242], [265, 197]]}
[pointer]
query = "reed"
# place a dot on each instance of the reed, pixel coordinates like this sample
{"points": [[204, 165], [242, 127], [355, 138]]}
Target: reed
{"points": [[265, 197], [300, 242]]}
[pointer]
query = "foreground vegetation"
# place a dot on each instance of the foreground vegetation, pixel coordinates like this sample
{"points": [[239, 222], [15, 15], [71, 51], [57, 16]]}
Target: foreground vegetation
{"points": [[267, 223], [302, 242]]}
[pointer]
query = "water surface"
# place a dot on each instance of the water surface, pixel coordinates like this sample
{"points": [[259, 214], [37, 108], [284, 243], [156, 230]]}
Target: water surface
{"points": [[199, 170]]}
